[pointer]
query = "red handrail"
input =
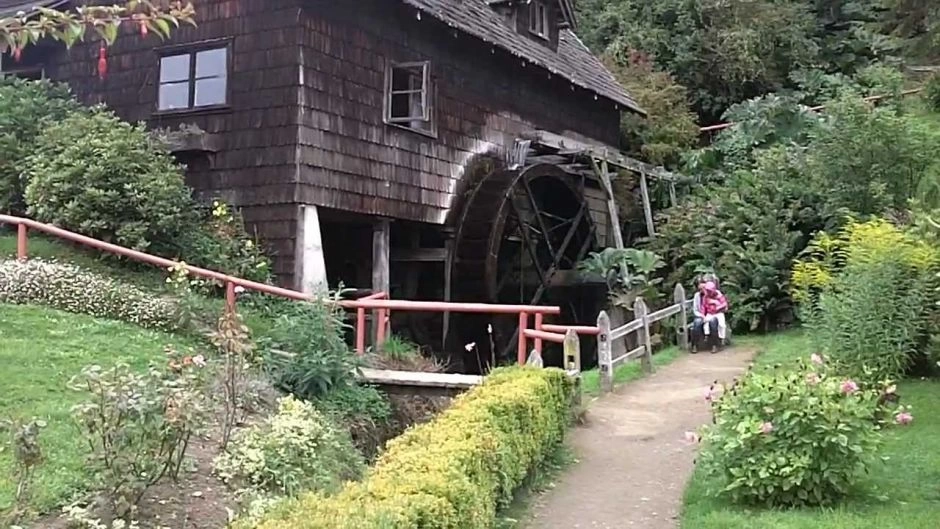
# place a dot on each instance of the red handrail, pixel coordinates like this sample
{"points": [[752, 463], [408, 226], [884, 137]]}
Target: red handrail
{"points": [[378, 302]]}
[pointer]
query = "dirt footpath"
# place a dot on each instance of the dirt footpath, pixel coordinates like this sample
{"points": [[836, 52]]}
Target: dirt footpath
{"points": [[633, 459]]}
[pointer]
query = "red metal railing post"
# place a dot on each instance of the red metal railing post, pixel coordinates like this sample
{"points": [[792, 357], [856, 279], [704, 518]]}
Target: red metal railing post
{"points": [[21, 242], [360, 331], [230, 296], [523, 323], [538, 326]]}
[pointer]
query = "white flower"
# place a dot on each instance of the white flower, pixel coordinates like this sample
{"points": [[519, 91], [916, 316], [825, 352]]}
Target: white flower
{"points": [[239, 289], [470, 346], [489, 328], [199, 360]]}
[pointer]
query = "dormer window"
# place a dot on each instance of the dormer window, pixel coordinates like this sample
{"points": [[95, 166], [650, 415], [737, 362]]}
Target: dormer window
{"points": [[539, 18]]}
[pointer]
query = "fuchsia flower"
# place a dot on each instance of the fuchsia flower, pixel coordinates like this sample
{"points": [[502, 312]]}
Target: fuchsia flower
{"points": [[849, 387], [767, 428], [812, 379], [904, 418], [816, 359]]}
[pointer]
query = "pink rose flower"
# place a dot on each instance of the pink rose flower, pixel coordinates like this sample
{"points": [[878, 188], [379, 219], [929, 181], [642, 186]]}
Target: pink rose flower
{"points": [[849, 387], [766, 428], [904, 418]]}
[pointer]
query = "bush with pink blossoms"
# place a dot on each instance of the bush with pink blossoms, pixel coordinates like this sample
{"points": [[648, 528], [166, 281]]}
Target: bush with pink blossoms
{"points": [[794, 437]]}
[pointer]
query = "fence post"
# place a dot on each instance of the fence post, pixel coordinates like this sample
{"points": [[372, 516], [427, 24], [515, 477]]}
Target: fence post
{"points": [[683, 331], [572, 349], [523, 324], [230, 297], [21, 243], [360, 331], [640, 312], [539, 318], [603, 352]]}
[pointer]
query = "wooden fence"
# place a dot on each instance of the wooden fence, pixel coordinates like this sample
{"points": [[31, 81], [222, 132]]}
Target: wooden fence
{"points": [[641, 327]]}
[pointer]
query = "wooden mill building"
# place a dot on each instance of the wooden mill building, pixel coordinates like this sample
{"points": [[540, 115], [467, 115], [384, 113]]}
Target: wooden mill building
{"points": [[437, 149]]}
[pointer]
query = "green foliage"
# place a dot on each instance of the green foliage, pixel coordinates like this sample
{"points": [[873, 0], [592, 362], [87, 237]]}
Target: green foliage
{"points": [[305, 351], [932, 93], [454, 471], [73, 289], [296, 450], [26, 108], [869, 297], [669, 128], [790, 437], [99, 176], [220, 242], [137, 426], [629, 273], [363, 411]]}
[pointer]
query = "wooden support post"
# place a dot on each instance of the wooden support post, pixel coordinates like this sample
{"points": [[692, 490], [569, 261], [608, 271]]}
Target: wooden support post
{"points": [[647, 206], [380, 273], [603, 352], [309, 254], [572, 351], [448, 271], [640, 312], [21, 242], [682, 339]]}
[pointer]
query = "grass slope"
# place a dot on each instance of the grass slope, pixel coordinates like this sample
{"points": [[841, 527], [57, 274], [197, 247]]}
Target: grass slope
{"points": [[902, 493], [40, 350]]}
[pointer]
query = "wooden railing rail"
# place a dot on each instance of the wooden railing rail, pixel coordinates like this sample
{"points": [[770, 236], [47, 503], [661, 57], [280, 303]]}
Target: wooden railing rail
{"points": [[641, 327]]}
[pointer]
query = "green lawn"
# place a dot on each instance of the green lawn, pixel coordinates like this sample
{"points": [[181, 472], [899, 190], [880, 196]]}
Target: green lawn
{"points": [[626, 372], [40, 350], [902, 493]]}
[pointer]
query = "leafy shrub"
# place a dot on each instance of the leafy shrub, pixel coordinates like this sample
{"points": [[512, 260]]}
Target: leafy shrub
{"points": [[26, 108], [138, 425], [932, 93], [220, 242], [869, 297], [629, 273], [304, 350], [364, 412], [73, 289], [99, 176], [453, 471], [294, 451], [791, 437]]}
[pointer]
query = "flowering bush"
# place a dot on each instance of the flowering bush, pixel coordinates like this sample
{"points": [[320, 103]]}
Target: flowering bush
{"points": [[296, 450], [138, 426], [73, 289], [792, 438]]}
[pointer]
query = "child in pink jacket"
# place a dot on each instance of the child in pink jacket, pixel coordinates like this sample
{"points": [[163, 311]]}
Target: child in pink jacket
{"points": [[715, 305]]}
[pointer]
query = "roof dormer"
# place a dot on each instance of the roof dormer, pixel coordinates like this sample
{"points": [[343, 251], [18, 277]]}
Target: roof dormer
{"points": [[539, 20]]}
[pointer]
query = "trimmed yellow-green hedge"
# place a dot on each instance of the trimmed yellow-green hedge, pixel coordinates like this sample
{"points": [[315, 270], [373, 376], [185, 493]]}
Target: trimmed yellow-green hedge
{"points": [[452, 472]]}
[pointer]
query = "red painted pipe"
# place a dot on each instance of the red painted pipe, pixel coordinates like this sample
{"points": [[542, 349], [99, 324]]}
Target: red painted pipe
{"points": [[21, 242], [521, 352], [543, 335], [539, 317], [360, 332], [447, 306]]}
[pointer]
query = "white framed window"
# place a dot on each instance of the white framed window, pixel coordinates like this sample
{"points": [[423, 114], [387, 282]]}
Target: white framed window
{"points": [[193, 79], [539, 18], [409, 96]]}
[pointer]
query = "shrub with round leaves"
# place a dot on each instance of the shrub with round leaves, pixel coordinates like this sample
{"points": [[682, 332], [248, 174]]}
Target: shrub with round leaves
{"points": [[73, 289], [792, 437], [97, 175], [296, 450]]}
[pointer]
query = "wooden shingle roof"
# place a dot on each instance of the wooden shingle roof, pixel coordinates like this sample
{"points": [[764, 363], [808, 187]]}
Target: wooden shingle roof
{"points": [[572, 61]]}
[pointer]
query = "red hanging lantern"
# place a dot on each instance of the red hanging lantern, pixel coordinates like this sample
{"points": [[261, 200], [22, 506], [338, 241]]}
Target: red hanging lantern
{"points": [[102, 62]]}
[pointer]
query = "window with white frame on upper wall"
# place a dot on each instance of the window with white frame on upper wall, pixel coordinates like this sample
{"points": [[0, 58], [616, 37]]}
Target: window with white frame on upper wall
{"points": [[539, 18], [409, 96], [193, 79]]}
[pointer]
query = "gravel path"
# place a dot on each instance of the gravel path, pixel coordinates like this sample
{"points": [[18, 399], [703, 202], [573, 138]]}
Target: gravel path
{"points": [[632, 458]]}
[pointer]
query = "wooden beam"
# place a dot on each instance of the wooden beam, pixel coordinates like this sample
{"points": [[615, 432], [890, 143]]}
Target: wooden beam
{"points": [[418, 255], [647, 206], [603, 152], [380, 261]]}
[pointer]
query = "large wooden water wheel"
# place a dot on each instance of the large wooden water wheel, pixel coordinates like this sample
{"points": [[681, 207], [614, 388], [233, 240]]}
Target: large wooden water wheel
{"points": [[518, 241]]}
